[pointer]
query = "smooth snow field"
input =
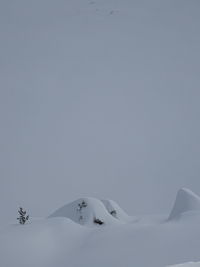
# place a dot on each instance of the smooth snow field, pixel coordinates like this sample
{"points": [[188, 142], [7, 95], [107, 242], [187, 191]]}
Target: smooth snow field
{"points": [[72, 236]]}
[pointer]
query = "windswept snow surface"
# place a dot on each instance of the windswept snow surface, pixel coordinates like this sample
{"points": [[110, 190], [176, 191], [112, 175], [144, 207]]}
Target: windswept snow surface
{"points": [[149, 241]]}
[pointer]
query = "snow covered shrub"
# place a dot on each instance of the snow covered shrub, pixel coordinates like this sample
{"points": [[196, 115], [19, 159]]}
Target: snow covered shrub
{"points": [[22, 216], [81, 205], [97, 221]]}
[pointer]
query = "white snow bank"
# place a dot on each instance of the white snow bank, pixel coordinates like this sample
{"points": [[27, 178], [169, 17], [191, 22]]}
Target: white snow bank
{"points": [[84, 211], [186, 201]]}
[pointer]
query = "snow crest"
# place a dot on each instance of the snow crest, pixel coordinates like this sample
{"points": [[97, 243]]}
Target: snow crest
{"points": [[186, 200]]}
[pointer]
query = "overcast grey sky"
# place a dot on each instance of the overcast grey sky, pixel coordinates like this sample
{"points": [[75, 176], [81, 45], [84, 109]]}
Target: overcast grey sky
{"points": [[98, 104]]}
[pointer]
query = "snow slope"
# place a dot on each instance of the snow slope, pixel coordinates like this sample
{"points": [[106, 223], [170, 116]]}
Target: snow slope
{"points": [[186, 201], [149, 241]]}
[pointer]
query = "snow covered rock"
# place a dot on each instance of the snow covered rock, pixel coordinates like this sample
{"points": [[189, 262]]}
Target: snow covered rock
{"points": [[86, 211], [186, 201]]}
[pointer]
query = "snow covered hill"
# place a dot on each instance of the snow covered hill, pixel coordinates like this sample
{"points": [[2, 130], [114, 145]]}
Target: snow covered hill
{"points": [[70, 237], [85, 211]]}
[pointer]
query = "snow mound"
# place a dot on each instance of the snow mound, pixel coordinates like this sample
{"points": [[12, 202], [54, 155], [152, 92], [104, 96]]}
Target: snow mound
{"points": [[186, 201], [116, 211], [86, 211]]}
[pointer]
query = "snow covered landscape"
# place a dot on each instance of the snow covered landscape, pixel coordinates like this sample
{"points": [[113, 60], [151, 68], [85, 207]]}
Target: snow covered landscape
{"points": [[73, 236], [99, 133]]}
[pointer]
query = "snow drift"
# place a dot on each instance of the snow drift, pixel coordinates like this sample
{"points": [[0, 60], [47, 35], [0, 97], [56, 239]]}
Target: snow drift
{"points": [[185, 201], [116, 211], [86, 211]]}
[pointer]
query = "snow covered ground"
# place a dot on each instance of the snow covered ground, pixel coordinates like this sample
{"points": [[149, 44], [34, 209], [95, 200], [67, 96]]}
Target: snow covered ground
{"points": [[71, 237]]}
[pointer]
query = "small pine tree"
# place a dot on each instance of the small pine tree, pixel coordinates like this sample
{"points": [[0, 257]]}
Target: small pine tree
{"points": [[22, 216], [81, 205]]}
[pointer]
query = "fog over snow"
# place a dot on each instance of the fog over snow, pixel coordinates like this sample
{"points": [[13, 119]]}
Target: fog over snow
{"points": [[98, 98], [99, 133]]}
